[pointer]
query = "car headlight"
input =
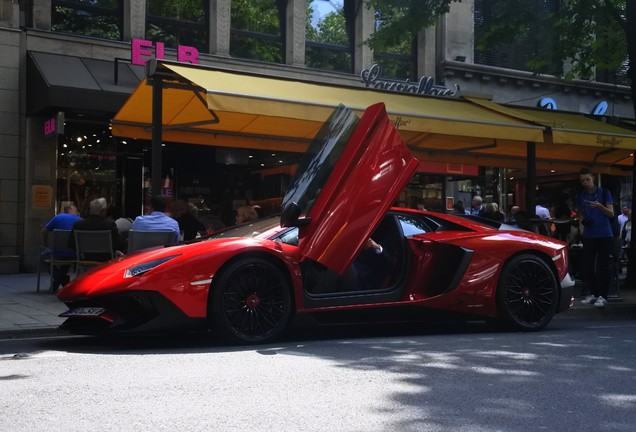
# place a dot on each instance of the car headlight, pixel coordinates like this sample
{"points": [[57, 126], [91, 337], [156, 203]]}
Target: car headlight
{"points": [[146, 267]]}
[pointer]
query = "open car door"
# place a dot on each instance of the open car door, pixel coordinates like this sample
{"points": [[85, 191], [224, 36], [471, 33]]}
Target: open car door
{"points": [[352, 172]]}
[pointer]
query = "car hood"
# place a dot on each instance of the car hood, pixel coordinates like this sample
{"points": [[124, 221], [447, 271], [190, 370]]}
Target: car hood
{"points": [[184, 260]]}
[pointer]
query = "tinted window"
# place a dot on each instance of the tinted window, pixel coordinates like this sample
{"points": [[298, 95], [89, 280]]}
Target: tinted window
{"points": [[412, 226], [178, 23], [289, 237], [320, 159], [256, 31], [97, 18]]}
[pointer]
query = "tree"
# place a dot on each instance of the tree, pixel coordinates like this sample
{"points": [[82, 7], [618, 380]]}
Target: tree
{"points": [[330, 30], [590, 35], [256, 30]]}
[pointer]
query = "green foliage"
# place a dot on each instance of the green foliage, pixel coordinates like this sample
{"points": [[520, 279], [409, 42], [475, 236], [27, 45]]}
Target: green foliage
{"points": [[259, 16], [588, 35], [400, 20], [330, 29], [183, 10]]}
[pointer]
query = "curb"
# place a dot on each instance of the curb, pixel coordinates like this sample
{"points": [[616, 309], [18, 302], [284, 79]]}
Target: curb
{"points": [[32, 333]]}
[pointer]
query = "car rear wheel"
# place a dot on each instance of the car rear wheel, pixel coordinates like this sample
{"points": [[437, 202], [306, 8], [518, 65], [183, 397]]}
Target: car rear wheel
{"points": [[527, 293], [251, 302]]}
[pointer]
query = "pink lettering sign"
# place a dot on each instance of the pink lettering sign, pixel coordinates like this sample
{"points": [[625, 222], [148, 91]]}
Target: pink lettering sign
{"points": [[141, 50], [49, 127], [137, 50], [187, 54]]}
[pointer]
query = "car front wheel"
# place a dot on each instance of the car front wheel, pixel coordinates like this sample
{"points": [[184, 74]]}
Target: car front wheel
{"points": [[251, 302], [527, 293]]}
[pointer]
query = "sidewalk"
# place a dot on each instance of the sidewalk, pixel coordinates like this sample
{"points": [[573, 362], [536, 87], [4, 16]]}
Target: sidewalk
{"points": [[23, 311], [26, 313]]}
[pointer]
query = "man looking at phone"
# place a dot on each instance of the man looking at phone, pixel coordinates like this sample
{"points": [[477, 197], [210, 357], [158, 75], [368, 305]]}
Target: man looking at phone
{"points": [[594, 207]]}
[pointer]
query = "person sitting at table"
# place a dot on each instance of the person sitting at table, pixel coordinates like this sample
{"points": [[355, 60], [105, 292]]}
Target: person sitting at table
{"points": [[96, 221], [156, 219], [62, 221], [183, 212]]}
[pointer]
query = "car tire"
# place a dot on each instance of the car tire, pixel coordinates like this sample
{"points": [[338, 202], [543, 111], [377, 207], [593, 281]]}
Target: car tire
{"points": [[526, 294], [250, 302]]}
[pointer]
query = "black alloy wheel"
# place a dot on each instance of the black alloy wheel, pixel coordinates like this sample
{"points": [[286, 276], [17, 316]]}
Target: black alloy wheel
{"points": [[527, 293], [251, 302]]}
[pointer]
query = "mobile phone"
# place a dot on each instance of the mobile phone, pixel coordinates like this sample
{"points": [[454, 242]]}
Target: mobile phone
{"points": [[587, 202]]}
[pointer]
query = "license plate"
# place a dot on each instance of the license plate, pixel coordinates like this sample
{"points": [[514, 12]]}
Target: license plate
{"points": [[84, 312]]}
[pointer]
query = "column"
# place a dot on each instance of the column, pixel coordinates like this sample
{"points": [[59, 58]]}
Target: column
{"points": [[220, 21], [364, 27], [296, 20], [134, 19]]}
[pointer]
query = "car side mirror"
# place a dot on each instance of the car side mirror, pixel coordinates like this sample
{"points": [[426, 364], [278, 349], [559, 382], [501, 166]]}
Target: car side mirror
{"points": [[290, 216]]}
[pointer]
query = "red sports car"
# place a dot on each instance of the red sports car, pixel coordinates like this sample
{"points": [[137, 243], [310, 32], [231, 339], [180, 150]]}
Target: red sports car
{"points": [[337, 250]]}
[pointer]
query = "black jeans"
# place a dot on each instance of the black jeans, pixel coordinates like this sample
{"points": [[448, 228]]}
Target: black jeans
{"points": [[596, 264]]}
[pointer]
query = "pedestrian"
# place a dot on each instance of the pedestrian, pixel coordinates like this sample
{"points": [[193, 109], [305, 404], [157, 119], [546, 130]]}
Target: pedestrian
{"points": [[622, 218], [476, 206], [594, 207], [459, 209], [491, 211]]}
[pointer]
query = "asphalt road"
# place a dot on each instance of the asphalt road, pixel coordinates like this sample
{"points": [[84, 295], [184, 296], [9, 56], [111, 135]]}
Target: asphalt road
{"points": [[577, 375]]}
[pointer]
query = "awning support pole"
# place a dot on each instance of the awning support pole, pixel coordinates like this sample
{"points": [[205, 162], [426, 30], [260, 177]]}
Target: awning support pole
{"points": [[531, 168], [157, 136]]}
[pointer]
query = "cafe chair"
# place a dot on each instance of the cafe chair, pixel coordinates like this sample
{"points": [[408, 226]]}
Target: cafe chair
{"points": [[93, 247], [51, 254], [138, 239]]}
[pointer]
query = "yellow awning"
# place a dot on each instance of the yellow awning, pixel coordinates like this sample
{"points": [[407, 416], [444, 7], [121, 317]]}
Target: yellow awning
{"points": [[283, 114], [574, 136]]}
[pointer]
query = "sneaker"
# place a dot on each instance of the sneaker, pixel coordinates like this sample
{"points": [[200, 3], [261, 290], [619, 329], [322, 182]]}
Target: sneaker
{"points": [[600, 302], [591, 299]]}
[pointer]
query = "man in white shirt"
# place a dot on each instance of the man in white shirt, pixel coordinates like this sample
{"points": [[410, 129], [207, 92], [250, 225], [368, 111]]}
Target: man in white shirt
{"points": [[156, 219]]}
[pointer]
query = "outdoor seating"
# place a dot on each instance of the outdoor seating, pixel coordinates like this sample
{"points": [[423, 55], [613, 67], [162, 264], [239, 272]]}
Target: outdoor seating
{"points": [[93, 247], [138, 239], [52, 254]]}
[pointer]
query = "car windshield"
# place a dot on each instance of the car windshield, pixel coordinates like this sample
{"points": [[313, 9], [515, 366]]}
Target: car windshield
{"points": [[252, 229], [320, 159]]}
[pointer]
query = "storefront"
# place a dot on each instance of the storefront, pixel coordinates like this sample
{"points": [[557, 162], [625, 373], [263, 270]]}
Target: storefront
{"points": [[229, 138]]}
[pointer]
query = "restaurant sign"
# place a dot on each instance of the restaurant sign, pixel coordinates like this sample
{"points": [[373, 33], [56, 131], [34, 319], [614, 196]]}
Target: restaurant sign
{"points": [[424, 86], [550, 104]]}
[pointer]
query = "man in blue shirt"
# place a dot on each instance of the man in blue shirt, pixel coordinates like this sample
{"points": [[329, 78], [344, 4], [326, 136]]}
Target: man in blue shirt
{"points": [[156, 219], [595, 208], [62, 221]]}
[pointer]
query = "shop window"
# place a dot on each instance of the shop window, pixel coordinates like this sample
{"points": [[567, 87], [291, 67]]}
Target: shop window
{"points": [[525, 51], [257, 30], [97, 18], [86, 167], [398, 58], [183, 22], [329, 35]]}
